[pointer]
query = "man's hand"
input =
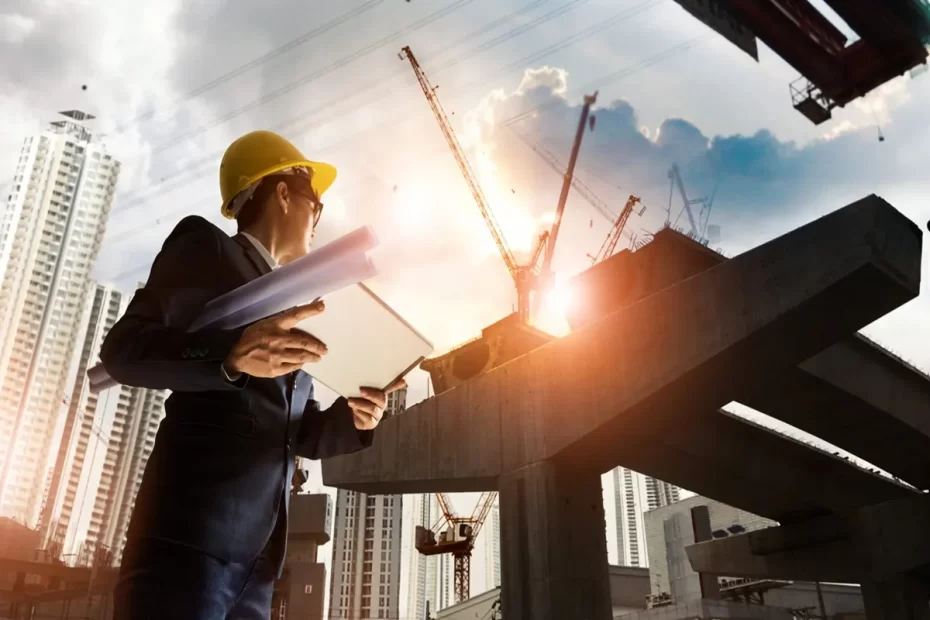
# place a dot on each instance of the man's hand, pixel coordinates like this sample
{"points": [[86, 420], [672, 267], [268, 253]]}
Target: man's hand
{"points": [[368, 409], [272, 347]]}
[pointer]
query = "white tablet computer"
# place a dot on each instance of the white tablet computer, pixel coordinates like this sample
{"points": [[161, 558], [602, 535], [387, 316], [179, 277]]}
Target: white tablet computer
{"points": [[368, 343]]}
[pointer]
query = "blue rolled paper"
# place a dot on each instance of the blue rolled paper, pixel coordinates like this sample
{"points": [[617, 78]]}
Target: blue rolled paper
{"points": [[341, 263]]}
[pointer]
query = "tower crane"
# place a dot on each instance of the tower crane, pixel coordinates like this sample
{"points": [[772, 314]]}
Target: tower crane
{"points": [[619, 222], [610, 243], [697, 229], [675, 175], [524, 276], [458, 537]]}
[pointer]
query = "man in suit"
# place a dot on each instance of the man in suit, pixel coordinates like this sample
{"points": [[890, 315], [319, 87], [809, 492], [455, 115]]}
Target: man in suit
{"points": [[209, 529]]}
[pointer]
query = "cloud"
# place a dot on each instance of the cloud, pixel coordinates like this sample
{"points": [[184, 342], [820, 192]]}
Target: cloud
{"points": [[765, 186]]}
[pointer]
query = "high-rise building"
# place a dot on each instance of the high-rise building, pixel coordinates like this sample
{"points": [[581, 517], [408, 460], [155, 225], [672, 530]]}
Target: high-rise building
{"points": [[366, 561], [492, 539], [106, 444], [633, 495], [131, 440], [50, 235], [82, 426]]}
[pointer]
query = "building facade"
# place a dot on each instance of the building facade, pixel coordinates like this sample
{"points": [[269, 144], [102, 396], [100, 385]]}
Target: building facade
{"points": [[106, 443], [633, 495], [82, 428], [50, 235], [492, 540], [366, 560], [669, 531]]}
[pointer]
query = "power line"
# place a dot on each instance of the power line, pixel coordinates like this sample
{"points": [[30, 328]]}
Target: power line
{"points": [[278, 51], [436, 15], [249, 65], [305, 117], [609, 78]]}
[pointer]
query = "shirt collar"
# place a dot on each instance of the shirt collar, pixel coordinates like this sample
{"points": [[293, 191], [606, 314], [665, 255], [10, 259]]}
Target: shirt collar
{"points": [[261, 250]]}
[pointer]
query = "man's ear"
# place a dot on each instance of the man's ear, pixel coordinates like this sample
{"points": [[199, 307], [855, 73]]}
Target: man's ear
{"points": [[282, 195]]}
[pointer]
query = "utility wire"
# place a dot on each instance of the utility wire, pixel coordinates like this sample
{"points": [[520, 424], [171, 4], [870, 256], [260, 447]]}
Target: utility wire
{"points": [[290, 87], [294, 124], [307, 36], [339, 102], [612, 77], [256, 62]]}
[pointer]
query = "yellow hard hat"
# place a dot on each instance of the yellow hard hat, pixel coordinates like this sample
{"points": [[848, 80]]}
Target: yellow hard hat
{"points": [[259, 154]]}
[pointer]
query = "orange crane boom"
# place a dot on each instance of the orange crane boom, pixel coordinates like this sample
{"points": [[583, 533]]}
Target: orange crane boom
{"points": [[524, 276], [430, 91]]}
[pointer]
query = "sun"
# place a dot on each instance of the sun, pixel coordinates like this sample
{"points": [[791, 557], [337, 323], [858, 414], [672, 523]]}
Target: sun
{"points": [[554, 308]]}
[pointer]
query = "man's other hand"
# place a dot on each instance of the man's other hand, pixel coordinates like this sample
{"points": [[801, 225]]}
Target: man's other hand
{"points": [[369, 408], [272, 347]]}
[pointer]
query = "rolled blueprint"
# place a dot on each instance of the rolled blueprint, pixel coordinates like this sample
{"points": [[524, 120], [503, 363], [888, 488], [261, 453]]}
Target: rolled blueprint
{"points": [[323, 271], [336, 265]]}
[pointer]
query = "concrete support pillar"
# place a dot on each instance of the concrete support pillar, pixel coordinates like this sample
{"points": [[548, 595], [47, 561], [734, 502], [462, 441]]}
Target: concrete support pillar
{"points": [[553, 544], [902, 598], [700, 526]]}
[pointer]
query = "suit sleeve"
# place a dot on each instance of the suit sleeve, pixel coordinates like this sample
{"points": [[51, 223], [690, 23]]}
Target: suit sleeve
{"points": [[149, 346], [324, 434]]}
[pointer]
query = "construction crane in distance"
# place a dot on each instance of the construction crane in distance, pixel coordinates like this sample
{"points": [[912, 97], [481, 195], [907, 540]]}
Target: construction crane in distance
{"points": [[524, 276], [610, 243], [618, 222], [546, 274], [697, 229], [458, 538]]}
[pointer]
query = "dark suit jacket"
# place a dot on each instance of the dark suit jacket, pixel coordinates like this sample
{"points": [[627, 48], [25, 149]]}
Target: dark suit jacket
{"points": [[220, 471]]}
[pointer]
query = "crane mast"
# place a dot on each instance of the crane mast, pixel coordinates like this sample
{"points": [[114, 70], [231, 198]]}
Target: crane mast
{"points": [[458, 539], [524, 276], [675, 175]]}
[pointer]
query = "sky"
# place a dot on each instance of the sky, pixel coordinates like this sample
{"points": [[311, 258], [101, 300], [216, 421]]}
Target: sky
{"points": [[172, 87]]}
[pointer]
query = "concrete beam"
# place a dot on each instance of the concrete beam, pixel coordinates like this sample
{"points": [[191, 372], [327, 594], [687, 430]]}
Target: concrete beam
{"points": [[861, 398], [741, 463], [873, 544], [627, 379]]}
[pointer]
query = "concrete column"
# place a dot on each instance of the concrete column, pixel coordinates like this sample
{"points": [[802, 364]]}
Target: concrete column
{"points": [[700, 526], [553, 544], [902, 598]]}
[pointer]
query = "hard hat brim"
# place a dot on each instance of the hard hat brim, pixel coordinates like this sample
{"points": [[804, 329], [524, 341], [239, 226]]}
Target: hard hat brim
{"points": [[322, 178]]}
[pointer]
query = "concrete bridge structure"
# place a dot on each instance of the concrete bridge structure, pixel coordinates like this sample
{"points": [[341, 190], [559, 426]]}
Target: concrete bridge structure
{"points": [[669, 335]]}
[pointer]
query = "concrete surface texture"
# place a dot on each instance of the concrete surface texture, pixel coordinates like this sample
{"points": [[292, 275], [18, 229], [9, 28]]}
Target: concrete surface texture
{"points": [[618, 391], [628, 589], [711, 610]]}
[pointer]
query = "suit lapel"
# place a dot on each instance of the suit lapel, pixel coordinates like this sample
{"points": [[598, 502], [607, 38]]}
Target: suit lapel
{"points": [[258, 262]]}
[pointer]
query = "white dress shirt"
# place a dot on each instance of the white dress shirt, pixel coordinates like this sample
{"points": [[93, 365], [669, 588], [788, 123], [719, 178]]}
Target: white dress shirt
{"points": [[271, 263]]}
